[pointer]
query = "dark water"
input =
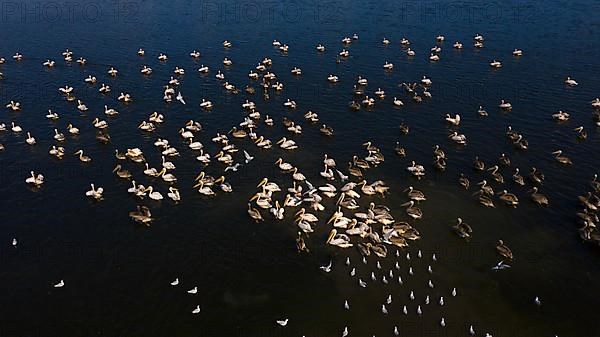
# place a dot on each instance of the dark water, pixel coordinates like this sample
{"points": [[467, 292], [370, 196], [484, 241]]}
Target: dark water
{"points": [[117, 273]]}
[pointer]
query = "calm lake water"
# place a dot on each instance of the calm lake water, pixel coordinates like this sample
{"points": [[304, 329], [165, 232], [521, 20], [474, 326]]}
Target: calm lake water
{"points": [[117, 273]]}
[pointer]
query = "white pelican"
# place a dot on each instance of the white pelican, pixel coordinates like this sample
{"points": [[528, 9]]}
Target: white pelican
{"points": [[81, 107], [162, 57], [95, 193], [517, 52], [125, 97], [17, 56], [426, 81], [206, 190], [385, 41], [16, 128], [227, 62], [113, 72], [398, 102], [388, 66], [110, 112], [434, 57], [141, 52], [457, 45], [203, 69], [90, 79], [99, 124], [286, 144], [195, 54], [571, 82], [276, 43], [320, 48], [66, 90], [186, 134], [453, 120], [410, 52], [404, 41], [34, 179], [152, 172], [104, 88], [81, 61], [58, 135], [30, 140], [167, 164], [505, 105], [154, 195], [440, 38], [49, 63], [174, 194], [168, 177], [146, 70], [496, 64], [227, 44], [296, 71], [82, 157], [206, 104], [458, 138]]}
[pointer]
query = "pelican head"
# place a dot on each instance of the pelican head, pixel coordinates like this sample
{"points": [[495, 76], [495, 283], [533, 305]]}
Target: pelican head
{"points": [[262, 182], [332, 234]]}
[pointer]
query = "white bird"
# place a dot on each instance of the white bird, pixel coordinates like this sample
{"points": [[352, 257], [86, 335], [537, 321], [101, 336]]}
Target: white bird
{"points": [[248, 157], [176, 282], [196, 310], [384, 309], [500, 266], [471, 331], [362, 283], [389, 299], [14, 242], [419, 311], [427, 299], [453, 291], [345, 332], [283, 322], [193, 290], [346, 305], [233, 168], [60, 284], [180, 98], [348, 260], [442, 300], [396, 332], [353, 272], [412, 295], [404, 310], [327, 268], [443, 322], [537, 301]]}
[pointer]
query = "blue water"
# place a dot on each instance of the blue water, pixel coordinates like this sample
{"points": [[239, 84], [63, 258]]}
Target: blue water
{"points": [[117, 273]]}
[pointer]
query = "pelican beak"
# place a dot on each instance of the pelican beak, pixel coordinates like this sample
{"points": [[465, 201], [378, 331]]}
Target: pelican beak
{"points": [[197, 185], [332, 219], [262, 182], [254, 197], [221, 179], [405, 204], [200, 176], [332, 234], [280, 141]]}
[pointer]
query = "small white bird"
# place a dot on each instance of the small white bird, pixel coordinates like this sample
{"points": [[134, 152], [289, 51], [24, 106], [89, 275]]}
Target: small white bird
{"points": [[396, 332], [14, 242], [233, 168], [427, 299], [384, 280], [397, 266], [433, 257], [345, 332], [60, 284], [389, 299], [500, 266], [442, 300], [453, 291], [373, 278], [176, 282], [196, 310], [410, 271], [400, 280], [193, 291], [384, 309], [348, 260], [353, 272], [362, 283], [346, 305], [429, 270], [408, 256], [404, 310], [364, 260], [430, 284], [412, 295], [443, 322], [419, 311], [248, 157], [471, 331], [378, 265], [327, 268], [537, 301], [283, 322]]}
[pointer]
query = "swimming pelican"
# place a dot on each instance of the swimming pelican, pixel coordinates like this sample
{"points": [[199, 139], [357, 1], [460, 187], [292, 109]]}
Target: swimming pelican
{"points": [[83, 158], [453, 120], [30, 140], [504, 250], [95, 193], [35, 179], [560, 158], [571, 82]]}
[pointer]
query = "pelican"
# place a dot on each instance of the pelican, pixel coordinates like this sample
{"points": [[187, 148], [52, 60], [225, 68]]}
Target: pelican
{"points": [[162, 57], [415, 195], [482, 111], [517, 178], [121, 173], [496, 64], [205, 190], [458, 138], [152, 172], [412, 211], [503, 250], [504, 105], [410, 52], [90, 79], [95, 193], [561, 116], [14, 106], [508, 198], [83, 158], [58, 136], [113, 72], [385, 41], [286, 144], [66, 89], [538, 198], [296, 71], [462, 229], [560, 158], [30, 140], [125, 97], [339, 240], [52, 115], [457, 45], [16, 128], [517, 52], [332, 78], [146, 70], [154, 195], [35, 179], [254, 213], [81, 107], [141, 52], [104, 88], [320, 48], [99, 124], [571, 82], [283, 165], [168, 177], [416, 170], [453, 120], [388, 66]]}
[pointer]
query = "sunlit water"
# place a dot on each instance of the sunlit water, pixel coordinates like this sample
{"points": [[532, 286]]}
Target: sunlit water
{"points": [[117, 273]]}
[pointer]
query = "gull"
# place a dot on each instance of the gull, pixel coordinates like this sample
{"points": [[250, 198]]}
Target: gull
{"points": [[348, 260], [429, 270], [389, 299], [233, 168], [327, 268], [353, 272], [176, 282], [346, 305], [283, 322], [442, 300], [248, 157], [364, 260], [396, 332], [405, 310], [433, 257], [14, 242], [391, 274], [400, 280], [443, 322], [384, 280], [384, 309], [427, 299], [397, 265], [410, 271], [500, 266], [378, 265], [537, 301], [397, 253], [412, 295], [430, 284], [453, 291], [419, 311], [180, 98], [419, 254], [362, 283], [471, 331], [345, 332], [196, 310], [60, 284], [193, 291], [373, 276], [408, 256]]}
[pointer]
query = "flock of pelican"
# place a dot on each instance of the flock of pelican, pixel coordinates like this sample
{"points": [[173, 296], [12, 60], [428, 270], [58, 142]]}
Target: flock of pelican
{"points": [[359, 218]]}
